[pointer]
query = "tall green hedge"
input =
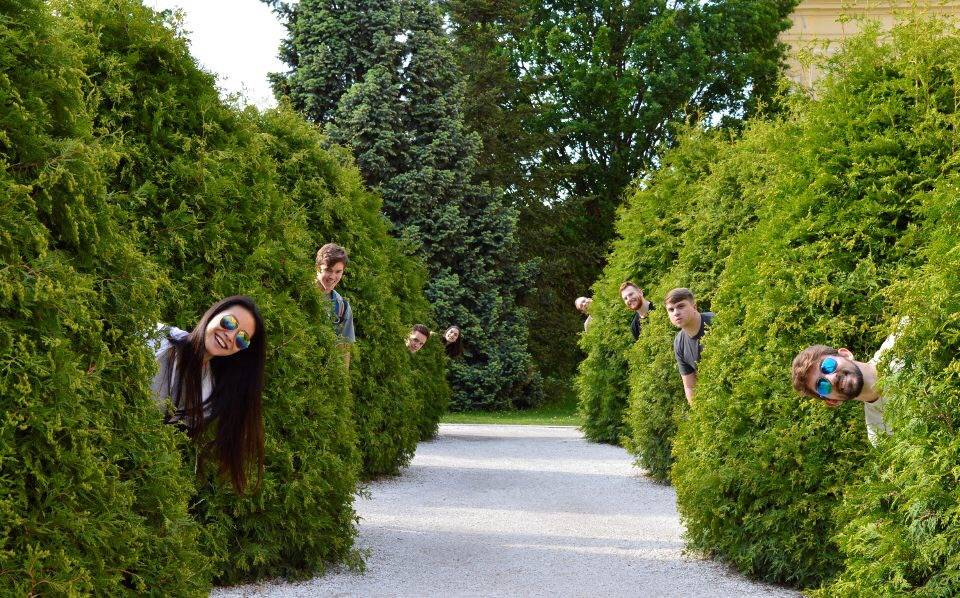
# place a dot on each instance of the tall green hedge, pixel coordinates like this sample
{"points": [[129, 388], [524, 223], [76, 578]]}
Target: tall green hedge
{"points": [[708, 189], [196, 177], [901, 519], [384, 287], [648, 232], [901, 533], [93, 497], [136, 196], [760, 471]]}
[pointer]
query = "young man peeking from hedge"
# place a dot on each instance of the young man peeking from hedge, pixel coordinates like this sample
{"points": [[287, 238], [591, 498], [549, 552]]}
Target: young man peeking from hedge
{"points": [[835, 376], [331, 261], [417, 338], [682, 309], [633, 298]]}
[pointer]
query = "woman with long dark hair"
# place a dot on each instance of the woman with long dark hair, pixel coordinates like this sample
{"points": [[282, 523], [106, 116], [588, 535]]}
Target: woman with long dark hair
{"points": [[214, 374], [453, 342]]}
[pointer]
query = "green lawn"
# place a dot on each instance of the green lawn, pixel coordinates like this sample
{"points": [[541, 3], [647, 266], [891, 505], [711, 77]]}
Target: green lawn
{"points": [[556, 414]]}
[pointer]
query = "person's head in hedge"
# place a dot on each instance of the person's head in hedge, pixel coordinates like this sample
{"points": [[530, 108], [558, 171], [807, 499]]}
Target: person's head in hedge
{"points": [[633, 299], [632, 296], [453, 342], [583, 305], [214, 375], [418, 337], [331, 262], [832, 375], [835, 376]]}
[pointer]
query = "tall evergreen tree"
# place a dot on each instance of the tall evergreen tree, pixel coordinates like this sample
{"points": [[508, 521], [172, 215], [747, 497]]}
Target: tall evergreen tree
{"points": [[402, 116]]}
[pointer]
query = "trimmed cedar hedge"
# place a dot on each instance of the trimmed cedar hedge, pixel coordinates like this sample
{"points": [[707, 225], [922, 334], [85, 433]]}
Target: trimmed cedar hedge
{"points": [[136, 196], [826, 224]]}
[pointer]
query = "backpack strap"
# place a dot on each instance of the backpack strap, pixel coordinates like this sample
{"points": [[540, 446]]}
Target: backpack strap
{"points": [[339, 306]]}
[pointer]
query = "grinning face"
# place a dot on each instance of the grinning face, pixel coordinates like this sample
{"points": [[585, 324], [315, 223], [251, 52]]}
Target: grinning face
{"points": [[452, 334], [329, 276], [632, 298], [846, 381], [682, 312], [219, 340], [415, 341]]}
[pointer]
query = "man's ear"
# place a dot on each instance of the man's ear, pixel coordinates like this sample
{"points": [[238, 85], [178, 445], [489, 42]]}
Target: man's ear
{"points": [[844, 352]]}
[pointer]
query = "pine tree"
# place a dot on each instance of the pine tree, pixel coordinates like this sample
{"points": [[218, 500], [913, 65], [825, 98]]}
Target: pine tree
{"points": [[403, 120]]}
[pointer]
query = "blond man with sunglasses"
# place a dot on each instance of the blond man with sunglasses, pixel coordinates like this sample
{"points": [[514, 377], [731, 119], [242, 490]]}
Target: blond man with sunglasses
{"points": [[834, 376]]}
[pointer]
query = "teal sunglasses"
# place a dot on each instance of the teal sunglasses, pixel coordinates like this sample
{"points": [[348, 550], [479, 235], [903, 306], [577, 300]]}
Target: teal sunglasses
{"points": [[824, 387]]}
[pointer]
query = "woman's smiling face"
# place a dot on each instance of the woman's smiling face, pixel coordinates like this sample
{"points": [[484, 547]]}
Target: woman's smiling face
{"points": [[452, 334], [220, 336]]}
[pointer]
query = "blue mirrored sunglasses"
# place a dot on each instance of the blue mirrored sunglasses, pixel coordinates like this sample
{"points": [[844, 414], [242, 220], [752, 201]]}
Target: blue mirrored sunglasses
{"points": [[228, 322], [824, 387]]}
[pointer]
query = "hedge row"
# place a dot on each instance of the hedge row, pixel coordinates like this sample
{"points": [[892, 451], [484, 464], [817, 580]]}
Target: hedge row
{"points": [[136, 195], [826, 224]]}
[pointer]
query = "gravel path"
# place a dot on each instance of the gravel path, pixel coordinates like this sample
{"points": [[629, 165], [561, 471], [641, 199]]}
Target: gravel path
{"points": [[493, 510]]}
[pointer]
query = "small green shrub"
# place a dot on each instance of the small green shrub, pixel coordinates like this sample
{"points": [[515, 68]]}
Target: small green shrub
{"points": [[759, 471], [93, 496]]}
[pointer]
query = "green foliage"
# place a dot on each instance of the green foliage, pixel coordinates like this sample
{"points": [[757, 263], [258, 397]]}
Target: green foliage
{"points": [[611, 80], [134, 195], [650, 230], [901, 529], [384, 286], [399, 112], [196, 177], [759, 470], [707, 191], [93, 495]]}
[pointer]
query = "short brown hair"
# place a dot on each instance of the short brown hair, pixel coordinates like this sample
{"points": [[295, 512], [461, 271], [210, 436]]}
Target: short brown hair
{"points": [[679, 294], [421, 329], [627, 284], [331, 254], [804, 361]]}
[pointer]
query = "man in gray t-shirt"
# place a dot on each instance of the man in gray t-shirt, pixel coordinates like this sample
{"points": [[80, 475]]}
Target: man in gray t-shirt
{"points": [[682, 309]]}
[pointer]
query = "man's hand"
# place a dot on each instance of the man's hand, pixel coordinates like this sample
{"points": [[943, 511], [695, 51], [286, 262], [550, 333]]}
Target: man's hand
{"points": [[832, 402]]}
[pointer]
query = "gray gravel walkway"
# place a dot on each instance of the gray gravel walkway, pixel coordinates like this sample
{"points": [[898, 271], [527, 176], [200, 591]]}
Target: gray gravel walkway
{"points": [[493, 510]]}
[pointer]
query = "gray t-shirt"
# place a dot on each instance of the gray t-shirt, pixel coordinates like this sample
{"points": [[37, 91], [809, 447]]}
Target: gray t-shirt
{"points": [[164, 382], [687, 348]]}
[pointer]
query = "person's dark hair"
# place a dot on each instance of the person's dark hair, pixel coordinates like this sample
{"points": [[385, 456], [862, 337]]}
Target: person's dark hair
{"points": [[678, 295], [454, 349], [331, 254], [236, 400], [421, 329]]}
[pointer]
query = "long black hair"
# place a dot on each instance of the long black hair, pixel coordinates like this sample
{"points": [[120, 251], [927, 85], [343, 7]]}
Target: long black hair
{"points": [[236, 400]]}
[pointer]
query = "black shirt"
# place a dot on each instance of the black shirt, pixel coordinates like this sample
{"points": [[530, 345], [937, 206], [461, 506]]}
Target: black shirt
{"points": [[637, 323]]}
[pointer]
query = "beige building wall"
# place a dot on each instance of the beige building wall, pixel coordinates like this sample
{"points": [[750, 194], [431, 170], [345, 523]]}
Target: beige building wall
{"points": [[819, 26]]}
